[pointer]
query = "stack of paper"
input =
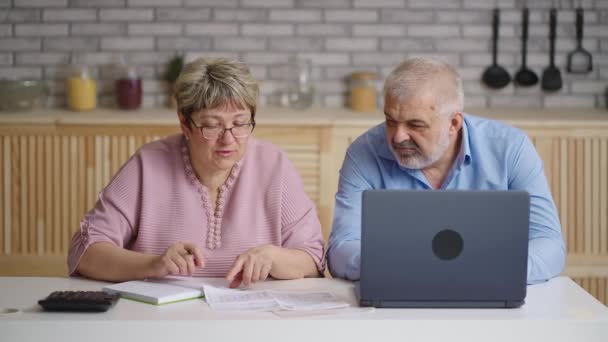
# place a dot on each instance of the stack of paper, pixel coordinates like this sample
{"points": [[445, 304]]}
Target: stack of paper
{"points": [[270, 300]]}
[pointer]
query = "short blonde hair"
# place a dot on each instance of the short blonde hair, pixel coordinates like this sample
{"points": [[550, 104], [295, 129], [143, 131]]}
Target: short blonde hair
{"points": [[421, 76], [207, 83]]}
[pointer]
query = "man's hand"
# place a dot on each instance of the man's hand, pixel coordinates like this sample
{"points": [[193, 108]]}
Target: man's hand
{"points": [[179, 259], [252, 266]]}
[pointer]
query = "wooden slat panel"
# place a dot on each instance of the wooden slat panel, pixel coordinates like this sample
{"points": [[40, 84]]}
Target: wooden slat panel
{"points": [[74, 214], [140, 140], [16, 196], [49, 182], [106, 162], [587, 197], [91, 158], [123, 150], [602, 290], [603, 185], [23, 240], [28, 265], [82, 182], [40, 195], [66, 195], [563, 205], [114, 156], [575, 171], [579, 203], [57, 204], [8, 198], [3, 198], [595, 196], [31, 195], [595, 286], [98, 164], [132, 145], [555, 169], [572, 248]]}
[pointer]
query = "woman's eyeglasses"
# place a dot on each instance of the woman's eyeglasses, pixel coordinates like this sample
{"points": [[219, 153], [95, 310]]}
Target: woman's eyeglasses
{"points": [[218, 131]]}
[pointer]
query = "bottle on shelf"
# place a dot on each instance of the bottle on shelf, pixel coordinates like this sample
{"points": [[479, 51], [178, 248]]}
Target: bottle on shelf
{"points": [[128, 86], [81, 89]]}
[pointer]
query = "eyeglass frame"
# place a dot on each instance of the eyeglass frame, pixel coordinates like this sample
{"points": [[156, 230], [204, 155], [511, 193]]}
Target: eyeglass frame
{"points": [[202, 127]]}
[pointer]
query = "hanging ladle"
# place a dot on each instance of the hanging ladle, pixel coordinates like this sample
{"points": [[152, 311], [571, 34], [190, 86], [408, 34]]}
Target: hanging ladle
{"points": [[525, 76], [580, 60], [495, 76], [552, 77]]}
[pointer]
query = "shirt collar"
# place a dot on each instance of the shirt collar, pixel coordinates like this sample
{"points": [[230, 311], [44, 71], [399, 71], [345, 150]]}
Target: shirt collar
{"points": [[464, 156]]}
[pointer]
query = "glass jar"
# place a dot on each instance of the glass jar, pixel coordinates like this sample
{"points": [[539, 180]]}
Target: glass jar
{"points": [[362, 91], [128, 87], [300, 91], [81, 90]]}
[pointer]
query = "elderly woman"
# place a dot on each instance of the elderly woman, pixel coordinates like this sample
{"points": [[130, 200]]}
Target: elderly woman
{"points": [[211, 201]]}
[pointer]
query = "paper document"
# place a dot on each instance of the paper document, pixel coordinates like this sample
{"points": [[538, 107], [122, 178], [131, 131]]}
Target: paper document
{"points": [[269, 300]]}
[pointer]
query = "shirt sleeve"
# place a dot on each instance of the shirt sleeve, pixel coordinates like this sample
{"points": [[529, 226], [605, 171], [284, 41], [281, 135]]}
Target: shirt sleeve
{"points": [[546, 249], [115, 215], [301, 228], [344, 251]]}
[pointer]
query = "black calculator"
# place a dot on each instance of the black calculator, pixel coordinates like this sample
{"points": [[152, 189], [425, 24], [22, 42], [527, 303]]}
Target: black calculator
{"points": [[81, 301]]}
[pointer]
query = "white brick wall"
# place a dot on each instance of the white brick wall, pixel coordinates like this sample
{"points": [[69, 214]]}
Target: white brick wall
{"points": [[267, 30], [323, 30], [69, 15], [126, 14], [39, 37], [179, 15], [156, 29], [40, 3], [295, 16], [212, 29], [6, 58], [351, 16], [98, 3]]}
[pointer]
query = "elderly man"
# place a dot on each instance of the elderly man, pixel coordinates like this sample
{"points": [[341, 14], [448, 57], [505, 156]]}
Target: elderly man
{"points": [[427, 142]]}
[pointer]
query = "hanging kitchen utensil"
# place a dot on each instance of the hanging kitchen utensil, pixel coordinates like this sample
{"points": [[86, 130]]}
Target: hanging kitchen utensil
{"points": [[580, 60], [525, 76], [495, 76], [552, 77]]}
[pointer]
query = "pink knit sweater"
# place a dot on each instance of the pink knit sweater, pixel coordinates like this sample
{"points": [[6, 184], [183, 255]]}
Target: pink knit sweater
{"points": [[155, 200]]}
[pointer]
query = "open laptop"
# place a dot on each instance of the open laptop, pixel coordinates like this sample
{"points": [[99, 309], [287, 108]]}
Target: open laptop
{"points": [[448, 249]]}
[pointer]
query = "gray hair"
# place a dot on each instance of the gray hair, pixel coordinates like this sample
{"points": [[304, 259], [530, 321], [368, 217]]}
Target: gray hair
{"points": [[417, 76], [208, 83]]}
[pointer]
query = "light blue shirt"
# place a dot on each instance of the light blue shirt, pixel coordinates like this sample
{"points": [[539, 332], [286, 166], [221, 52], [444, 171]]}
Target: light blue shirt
{"points": [[493, 156]]}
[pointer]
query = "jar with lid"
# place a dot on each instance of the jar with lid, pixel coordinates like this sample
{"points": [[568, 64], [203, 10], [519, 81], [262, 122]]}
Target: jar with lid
{"points": [[81, 89], [300, 90], [362, 95], [128, 86]]}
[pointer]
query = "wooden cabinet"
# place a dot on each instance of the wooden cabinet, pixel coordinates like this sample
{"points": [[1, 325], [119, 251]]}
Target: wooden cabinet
{"points": [[54, 164]]}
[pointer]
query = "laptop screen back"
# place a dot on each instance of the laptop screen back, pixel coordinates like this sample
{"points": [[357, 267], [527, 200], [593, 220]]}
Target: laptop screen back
{"points": [[444, 245]]}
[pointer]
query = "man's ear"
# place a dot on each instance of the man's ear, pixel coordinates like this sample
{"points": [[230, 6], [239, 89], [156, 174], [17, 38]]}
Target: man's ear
{"points": [[456, 122]]}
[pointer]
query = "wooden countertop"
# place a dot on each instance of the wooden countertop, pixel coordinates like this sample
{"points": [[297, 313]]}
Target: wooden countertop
{"points": [[316, 116]]}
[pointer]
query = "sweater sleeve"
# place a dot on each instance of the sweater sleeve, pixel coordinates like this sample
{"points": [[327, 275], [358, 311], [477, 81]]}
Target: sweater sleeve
{"points": [[301, 228], [115, 216]]}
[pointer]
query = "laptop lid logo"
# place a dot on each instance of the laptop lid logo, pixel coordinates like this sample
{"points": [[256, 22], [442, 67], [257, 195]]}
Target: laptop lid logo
{"points": [[447, 244]]}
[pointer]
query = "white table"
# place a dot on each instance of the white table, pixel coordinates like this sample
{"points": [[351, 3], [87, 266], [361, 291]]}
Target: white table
{"points": [[558, 310]]}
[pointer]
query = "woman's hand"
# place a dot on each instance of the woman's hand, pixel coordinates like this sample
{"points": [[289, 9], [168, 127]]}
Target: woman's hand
{"points": [[180, 258], [252, 266]]}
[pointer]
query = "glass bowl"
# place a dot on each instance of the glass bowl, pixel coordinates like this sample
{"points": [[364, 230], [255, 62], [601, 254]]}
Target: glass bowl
{"points": [[22, 95]]}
